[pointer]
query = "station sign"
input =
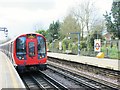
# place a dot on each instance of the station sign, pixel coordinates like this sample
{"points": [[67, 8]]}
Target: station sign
{"points": [[97, 45]]}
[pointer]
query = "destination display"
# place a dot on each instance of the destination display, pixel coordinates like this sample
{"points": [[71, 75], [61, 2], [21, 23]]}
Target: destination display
{"points": [[31, 36]]}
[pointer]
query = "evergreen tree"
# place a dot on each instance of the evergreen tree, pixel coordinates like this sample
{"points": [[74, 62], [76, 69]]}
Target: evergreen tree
{"points": [[43, 32], [53, 30], [113, 19], [116, 15]]}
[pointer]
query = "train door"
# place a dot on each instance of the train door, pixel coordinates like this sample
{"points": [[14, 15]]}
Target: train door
{"points": [[31, 51]]}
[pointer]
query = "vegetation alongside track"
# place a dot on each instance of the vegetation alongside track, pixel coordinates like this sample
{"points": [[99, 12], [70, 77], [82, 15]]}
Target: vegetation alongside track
{"points": [[106, 29]]}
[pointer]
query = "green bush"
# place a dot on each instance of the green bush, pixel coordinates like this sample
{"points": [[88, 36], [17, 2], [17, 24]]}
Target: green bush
{"points": [[64, 47], [66, 44], [50, 46], [75, 48], [83, 45], [70, 46], [112, 52]]}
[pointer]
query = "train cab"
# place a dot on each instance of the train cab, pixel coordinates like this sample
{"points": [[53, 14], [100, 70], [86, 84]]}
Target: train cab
{"points": [[30, 52]]}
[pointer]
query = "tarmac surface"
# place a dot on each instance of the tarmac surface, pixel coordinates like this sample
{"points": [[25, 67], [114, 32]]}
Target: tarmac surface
{"points": [[100, 62]]}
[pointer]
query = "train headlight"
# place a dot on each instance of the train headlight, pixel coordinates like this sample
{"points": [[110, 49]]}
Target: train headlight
{"points": [[40, 56], [21, 57], [43, 56]]}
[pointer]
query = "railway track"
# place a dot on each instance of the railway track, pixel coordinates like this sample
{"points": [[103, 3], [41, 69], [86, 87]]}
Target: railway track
{"points": [[60, 79], [104, 75], [40, 81], [94, 69], [82, 81]]}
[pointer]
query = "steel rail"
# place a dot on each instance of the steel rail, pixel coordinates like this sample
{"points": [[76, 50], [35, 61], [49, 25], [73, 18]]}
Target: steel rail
{"points": [[29, 82], [44, 82], [61, 86], [85, 82]]}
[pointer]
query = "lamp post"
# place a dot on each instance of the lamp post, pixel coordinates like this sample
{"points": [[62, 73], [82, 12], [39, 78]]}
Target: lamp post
{"points": [[6, 33], [78, 33], [5, 30]]}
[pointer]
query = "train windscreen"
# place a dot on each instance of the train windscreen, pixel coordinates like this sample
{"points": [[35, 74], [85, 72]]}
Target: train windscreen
{"points": [[41, 47], [21, 48]]}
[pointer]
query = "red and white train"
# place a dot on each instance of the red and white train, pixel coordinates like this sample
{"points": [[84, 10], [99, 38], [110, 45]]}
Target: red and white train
{"points": [[27, 51]]}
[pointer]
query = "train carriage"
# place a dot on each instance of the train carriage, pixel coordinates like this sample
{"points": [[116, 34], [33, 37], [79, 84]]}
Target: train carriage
{"points": [[27, 51]]}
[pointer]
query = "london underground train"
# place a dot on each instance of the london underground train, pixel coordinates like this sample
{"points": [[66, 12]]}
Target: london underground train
{"points": [[27, 51]]}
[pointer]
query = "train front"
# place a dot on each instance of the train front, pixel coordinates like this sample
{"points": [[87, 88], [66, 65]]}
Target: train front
{"points": [[30, 52]]}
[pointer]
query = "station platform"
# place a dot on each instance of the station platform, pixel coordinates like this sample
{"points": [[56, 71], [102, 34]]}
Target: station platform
{"points": [[9, 77], [99, 62]]}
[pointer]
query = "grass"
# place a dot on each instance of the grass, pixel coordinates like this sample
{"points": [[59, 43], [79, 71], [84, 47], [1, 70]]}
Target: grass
{"points": [[110, 52]]}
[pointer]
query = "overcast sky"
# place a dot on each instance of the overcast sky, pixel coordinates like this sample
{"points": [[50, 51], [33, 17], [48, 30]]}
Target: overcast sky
{"points": [[21, 16]]}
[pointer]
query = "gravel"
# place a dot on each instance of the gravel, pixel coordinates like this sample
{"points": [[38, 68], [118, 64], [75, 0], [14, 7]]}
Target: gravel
{"points": [[67, 82]]}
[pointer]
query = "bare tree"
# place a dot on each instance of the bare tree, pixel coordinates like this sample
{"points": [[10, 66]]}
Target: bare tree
{"points": [[85, 14]]}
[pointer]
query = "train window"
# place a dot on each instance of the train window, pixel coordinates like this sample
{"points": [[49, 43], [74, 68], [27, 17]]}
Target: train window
{"points": [[21, 47], [41, 47], [31, 49]]}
